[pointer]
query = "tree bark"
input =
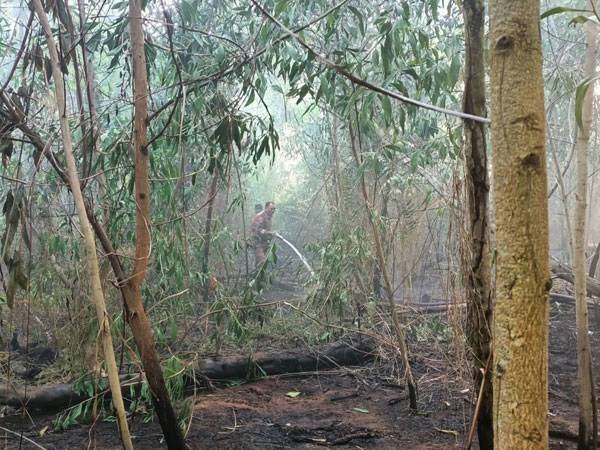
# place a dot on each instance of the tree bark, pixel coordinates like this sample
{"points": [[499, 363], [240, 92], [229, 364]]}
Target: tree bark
{"points": [[520, 372], [88, 236], [584, 357], [136, 315], [477, 267]]}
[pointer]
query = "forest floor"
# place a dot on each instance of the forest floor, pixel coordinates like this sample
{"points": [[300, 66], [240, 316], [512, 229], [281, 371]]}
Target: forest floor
{"points": [[350, 408]]}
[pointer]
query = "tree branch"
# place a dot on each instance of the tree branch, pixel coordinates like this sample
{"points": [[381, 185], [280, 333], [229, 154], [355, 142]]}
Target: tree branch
{"points": [[366, 84]]}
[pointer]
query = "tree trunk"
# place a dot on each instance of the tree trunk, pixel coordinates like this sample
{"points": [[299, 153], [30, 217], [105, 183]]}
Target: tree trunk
{"points": [[208, 233], [136, 315], [335, 163], [477, 267], [584, 357], [376, 279], [520, 371], [88, 235], [594, 261], [94, 125], [560, 182], [387, 284]]}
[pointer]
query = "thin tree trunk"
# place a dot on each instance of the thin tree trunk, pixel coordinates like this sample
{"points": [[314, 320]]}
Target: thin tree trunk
{"points": [[520, 371], [94, 138], [88, 235], [86, 162], [477, 264], [594, 261], [389, 291], [376, 279], [584, 357], [136, 315], [208, 232], [560, 182], [335, 160], [180, 186], [590, 210], [243, 211]]}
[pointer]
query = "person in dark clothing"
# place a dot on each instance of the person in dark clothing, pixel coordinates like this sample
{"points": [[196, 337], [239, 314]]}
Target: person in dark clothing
{"points": [[261, 233]]}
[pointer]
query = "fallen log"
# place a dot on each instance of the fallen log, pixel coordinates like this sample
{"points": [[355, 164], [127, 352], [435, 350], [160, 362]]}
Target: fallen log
{"points": [[39, 398], [263, 363], [343, 353], [561, 429], [561, 298], [564, 272]]}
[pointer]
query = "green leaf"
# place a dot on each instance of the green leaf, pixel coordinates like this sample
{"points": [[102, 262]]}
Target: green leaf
{"points": [[584, 19], [560, 10], [359, 17], [386, 105], [387, 55], [406, 10], [220, 55], [580, 92], [187, 11], [280, 7], [454, 71], [293, 394], [361, 410]]}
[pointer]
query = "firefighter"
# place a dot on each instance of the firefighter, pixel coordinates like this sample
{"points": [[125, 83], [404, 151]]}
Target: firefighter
{"points": [[261, 233]]}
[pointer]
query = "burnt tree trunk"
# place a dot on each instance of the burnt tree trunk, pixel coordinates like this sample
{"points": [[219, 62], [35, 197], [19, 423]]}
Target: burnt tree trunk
{"points": [[476, 262], [59, 396]]}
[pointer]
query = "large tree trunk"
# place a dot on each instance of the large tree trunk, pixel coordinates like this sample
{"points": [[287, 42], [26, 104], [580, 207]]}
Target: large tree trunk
{"points": [[584, 357], [520, 191], [136, 315], [477, 267], [88, 236]]}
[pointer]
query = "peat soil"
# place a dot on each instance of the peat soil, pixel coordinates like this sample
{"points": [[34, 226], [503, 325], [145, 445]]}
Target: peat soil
{"points": [[351, 408]]}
